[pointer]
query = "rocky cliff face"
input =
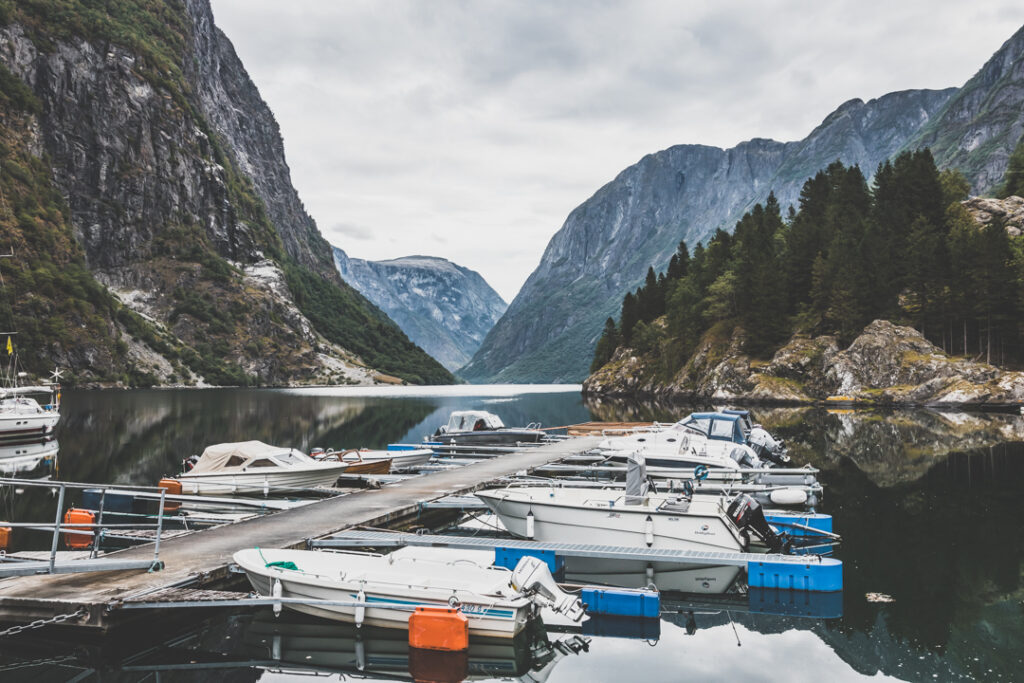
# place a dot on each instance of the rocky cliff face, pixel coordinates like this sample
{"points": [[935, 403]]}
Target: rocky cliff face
{"points": [[685, 193], [176, 188], [682, 193], [444, 308], [886, 364], [978, 128]]}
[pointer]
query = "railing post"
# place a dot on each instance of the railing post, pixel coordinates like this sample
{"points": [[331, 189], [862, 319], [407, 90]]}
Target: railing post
{"points": [[56, 528], [159, 527], [98, 530]]}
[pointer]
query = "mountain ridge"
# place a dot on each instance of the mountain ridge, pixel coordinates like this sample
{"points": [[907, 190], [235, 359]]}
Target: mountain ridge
{"points": [[444, 307], [689, 191]]}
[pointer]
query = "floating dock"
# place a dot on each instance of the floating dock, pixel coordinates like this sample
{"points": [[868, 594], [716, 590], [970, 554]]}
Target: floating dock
{"points": [[778, 572], [202, 558]]}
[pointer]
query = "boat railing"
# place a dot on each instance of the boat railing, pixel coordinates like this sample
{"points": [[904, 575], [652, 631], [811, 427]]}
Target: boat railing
{"points": [[11, 566]]}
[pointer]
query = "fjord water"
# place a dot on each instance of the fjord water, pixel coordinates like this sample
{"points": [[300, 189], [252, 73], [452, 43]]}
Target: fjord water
{"points": [[928, 504]]}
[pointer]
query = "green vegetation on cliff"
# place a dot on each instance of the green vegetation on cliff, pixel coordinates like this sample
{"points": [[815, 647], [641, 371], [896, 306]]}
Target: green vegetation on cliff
{"points": [[169, 216], [903, 249]]}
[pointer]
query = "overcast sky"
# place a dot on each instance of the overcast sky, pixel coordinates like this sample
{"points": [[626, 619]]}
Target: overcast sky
{"points": [[470, 129]]}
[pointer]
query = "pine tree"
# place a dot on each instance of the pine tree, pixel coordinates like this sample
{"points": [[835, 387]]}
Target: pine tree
{"points": [[628, 318], [606, 346], [1013, 180]]}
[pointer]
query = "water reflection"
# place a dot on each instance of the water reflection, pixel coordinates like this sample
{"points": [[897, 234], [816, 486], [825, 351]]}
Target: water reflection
{"points": [[927, 502]]}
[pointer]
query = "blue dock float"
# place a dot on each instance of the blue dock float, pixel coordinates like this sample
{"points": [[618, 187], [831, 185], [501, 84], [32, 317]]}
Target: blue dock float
{"points": [[788, 572], [621, 602], [800, 524]]}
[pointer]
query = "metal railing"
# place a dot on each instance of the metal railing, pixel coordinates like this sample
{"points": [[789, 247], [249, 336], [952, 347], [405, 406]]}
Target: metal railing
{"points": [[14, 567]]}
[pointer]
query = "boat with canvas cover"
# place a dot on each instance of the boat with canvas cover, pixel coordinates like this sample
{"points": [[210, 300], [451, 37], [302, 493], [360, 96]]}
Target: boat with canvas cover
{"points": [[385, 589], [480, 428], [255, 467]]}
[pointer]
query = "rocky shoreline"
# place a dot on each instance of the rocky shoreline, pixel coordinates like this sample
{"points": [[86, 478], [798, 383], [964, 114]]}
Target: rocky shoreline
{"points": [[886, 364]]}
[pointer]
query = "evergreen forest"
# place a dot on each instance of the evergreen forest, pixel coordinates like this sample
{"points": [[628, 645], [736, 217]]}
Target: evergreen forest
{"points": [[903, 248]]}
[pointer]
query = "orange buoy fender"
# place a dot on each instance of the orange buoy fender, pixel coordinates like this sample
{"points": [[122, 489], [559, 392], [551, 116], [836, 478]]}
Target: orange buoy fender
{"points": [[439, 628], [5, 537], [172, 487], [76, 516]]}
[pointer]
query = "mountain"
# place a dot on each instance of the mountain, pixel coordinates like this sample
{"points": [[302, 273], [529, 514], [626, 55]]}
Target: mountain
{"points": [[682, 193], [444, 308], [147, 198], [687, 192]]}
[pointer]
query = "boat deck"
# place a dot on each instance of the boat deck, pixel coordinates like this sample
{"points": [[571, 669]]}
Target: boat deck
{"points": [[203, 556]]}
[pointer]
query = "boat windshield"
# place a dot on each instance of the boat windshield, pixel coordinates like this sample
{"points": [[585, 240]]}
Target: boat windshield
{"points": [[698, 424], [473, 420]]}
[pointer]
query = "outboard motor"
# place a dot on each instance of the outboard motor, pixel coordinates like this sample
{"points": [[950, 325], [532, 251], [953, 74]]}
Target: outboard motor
{"points": [[747, 514], [532, 577], [188, 463], [744, 457], [766, 446]]}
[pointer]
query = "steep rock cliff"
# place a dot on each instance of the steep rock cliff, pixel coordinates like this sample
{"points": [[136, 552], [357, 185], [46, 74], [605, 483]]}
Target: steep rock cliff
{"points": [[978, 128], [444, 308], [172, 179], [682, 193]]}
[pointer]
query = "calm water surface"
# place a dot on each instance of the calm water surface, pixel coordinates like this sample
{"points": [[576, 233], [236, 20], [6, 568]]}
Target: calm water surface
{"points": [[928, 503]]}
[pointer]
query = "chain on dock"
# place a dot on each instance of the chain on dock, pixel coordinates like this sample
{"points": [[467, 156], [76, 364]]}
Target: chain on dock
{"points": [[39, 623]]}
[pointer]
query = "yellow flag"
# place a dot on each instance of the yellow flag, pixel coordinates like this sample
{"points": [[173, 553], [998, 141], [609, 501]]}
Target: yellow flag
{"points": [[10, 346]]}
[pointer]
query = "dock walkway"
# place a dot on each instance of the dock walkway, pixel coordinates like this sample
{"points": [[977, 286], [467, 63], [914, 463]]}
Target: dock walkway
{"points": [[205, 555]]}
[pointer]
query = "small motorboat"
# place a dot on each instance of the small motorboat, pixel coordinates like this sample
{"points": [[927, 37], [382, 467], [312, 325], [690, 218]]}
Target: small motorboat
{"points": [[384, 590], [709, 439], [366, 461], [635, 518], [23, 418], [480, 428], [255, 467]]}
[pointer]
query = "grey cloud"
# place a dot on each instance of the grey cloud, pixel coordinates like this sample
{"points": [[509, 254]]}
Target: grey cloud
{"points": [[489, 121]]}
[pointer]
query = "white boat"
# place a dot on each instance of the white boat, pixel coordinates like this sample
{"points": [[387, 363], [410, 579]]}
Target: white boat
{"points": [[635, 518], [401, 460], [387, 589], [255, 467], [22, 417]]}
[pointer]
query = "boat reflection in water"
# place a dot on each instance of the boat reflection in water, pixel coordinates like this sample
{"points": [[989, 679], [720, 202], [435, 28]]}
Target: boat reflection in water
{"points": [[310, 643], [36, 460]]}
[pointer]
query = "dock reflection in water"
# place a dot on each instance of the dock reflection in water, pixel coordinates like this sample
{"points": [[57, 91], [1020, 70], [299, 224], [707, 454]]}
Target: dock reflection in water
{"points": [[928, 504]]}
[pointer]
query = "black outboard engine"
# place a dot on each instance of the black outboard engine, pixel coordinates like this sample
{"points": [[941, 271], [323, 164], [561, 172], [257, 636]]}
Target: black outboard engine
{"points": [[766, 446], [747, 514]]}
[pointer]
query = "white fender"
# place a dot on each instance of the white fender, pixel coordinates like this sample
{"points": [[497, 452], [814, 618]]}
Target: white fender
{"points": [[788, 496], [275, 592], [649, 531], [529, 524], [360, 608]]}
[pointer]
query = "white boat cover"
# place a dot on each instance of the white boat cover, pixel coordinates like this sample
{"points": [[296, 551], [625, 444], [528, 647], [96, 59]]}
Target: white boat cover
{"points": [[473, 420], [232, 456]]}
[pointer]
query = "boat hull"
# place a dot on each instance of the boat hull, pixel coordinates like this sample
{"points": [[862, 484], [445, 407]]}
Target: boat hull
{"points": [[258, 482], [611, 525], [498, 437], [390, 607], [16, 427]]}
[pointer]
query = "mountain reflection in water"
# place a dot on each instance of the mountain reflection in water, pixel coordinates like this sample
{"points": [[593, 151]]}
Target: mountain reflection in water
{"points": [[927, 502]]}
